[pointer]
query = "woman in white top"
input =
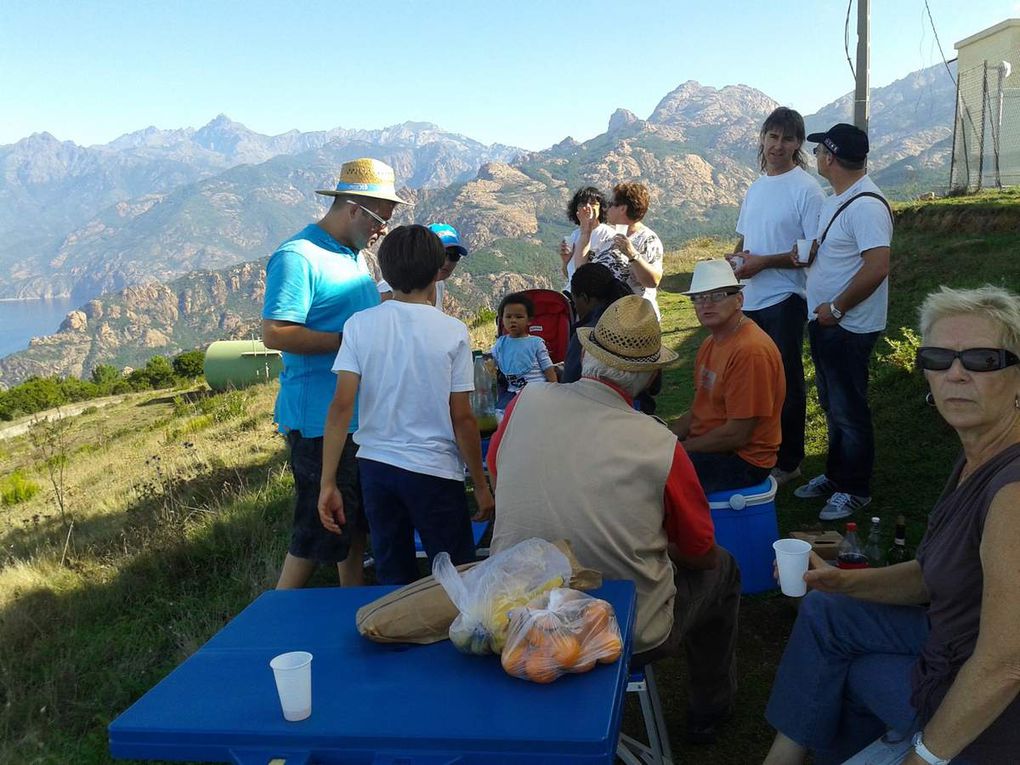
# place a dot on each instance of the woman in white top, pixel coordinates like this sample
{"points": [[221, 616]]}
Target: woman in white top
{"points": [[634, 257], [587, 209]]}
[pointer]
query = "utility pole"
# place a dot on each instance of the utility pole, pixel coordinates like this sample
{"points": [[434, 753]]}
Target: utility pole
{"points": [[862, 98]]}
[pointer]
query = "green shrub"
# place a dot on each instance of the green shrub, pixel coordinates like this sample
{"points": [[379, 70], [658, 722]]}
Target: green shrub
{"points": [[189, 364], [15, 488]]}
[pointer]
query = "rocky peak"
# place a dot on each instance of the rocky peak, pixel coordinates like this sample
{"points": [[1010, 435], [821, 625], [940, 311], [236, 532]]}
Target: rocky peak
{"points": [[693, 104], [622, 119]]}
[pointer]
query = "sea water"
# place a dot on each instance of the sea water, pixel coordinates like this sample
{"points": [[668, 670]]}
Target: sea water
{"points": [[21, 320]]}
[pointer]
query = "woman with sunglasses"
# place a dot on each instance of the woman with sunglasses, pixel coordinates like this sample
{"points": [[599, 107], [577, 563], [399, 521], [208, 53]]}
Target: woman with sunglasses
{"points": [[929, 648]]}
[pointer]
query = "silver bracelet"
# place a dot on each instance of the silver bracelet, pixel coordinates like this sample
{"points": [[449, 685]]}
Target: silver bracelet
{"points": [[925, 753]]}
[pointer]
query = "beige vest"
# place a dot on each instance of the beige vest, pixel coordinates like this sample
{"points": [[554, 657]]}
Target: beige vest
{"points": [[576, 462]]}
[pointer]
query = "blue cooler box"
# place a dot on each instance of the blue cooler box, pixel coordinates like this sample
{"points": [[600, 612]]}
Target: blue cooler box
{"points": [[745, 524]]}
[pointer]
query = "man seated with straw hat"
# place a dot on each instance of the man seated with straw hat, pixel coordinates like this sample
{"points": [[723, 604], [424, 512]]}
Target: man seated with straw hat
{"points": [[315, 281], [624, 493], [732, 430]]}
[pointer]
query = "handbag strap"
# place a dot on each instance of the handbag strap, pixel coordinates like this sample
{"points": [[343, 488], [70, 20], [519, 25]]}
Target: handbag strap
{"points": [[847, 203]]}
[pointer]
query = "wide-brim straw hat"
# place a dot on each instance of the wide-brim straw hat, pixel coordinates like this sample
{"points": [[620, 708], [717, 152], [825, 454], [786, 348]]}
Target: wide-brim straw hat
{"points": [[366, 177], [713, 275], [627, 337]]}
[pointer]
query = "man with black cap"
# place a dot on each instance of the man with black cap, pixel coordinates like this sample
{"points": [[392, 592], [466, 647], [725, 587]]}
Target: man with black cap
{"points": [[848, 298], [315, 281]]}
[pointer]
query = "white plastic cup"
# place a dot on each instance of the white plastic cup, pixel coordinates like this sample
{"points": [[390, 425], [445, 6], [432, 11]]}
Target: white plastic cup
{"points": [[621, 228], [792, 561], [804, 250], [293, 673], [736, 261]]}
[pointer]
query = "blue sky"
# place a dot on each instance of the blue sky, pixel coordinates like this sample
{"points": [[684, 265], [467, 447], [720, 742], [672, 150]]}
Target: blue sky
{"points": [[525, 72]]}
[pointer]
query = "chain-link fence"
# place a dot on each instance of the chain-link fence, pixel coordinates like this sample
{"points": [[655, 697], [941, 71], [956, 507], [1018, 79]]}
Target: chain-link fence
{"points": [[986, 136]]}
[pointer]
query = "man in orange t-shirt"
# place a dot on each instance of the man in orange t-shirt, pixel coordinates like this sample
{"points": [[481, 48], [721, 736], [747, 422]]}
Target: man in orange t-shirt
{"points": [[732, 431]]}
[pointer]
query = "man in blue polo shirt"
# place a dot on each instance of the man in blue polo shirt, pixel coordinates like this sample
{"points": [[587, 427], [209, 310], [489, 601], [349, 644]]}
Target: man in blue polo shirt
{"points": [[315, 281]]}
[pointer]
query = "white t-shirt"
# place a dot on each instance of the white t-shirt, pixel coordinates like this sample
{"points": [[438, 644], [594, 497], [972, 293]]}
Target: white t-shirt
{"points": [[777, 211], [648, 246], [411, 357], [863, 225], [383, 286], [600, 235]]}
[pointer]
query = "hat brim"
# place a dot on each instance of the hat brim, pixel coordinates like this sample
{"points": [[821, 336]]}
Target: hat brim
{"points": [[665, 358], [370, 194], [736, 287], [816, 137], [459, 249]]}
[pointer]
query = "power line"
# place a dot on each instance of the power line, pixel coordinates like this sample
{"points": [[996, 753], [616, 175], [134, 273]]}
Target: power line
{"points": [[935, 32], [846, 38]]}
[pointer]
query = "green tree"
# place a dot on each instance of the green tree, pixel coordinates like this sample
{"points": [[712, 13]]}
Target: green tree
{"points": [[189, 364], [105, 375], [159, 372]]}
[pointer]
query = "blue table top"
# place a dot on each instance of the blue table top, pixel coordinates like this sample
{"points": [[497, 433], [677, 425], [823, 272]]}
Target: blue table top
{"points": [[371, 703]]}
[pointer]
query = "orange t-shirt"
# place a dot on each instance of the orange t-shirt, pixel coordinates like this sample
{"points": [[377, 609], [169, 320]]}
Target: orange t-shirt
{"points": [[737, 378]]}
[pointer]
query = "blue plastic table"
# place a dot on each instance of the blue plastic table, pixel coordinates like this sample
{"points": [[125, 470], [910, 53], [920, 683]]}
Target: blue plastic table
{"points": [[371, 703]]}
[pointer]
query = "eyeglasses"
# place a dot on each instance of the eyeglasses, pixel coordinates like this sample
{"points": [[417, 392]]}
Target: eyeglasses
{"points": [[713, 297], [382, 223], [816, 149], [973, 359]]}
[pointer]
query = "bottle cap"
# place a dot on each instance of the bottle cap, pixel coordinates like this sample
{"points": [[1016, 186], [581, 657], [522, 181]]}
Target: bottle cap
{"points": [[851, 526], [875, 519]]}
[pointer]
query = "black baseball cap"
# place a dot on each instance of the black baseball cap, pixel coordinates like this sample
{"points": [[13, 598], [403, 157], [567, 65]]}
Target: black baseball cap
{"points": [[844, 141]]}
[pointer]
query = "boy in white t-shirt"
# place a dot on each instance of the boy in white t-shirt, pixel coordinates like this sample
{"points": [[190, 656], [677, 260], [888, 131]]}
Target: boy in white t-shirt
{"points": [[410, 368]]}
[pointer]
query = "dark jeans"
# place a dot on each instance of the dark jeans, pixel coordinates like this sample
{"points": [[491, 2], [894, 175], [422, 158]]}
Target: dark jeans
{"points": [[719, 472], [784, 323], [841, 373], [705, 620], [399, 501], [845, 675]]}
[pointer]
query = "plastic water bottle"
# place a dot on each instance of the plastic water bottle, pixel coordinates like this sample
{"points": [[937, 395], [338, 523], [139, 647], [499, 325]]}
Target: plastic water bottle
{"points": [[483, 398], [899, 552], [873, 547], [849, 553]]}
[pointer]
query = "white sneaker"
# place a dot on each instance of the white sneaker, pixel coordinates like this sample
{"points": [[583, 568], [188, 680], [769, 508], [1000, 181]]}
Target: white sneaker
{"points": [[819, 486], [842, 505], [784, 476]]}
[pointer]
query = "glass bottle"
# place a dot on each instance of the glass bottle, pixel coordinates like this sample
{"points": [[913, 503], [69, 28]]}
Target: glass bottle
{"points": [[899, 552], [483, 398], [849, 553], [873, 547]]}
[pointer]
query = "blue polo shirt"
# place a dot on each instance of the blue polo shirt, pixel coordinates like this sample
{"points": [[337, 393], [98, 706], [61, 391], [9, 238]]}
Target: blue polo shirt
{"points": [[313, 280]]}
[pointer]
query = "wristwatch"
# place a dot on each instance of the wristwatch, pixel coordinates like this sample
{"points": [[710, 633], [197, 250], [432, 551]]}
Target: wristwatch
{"points": [[924, 753], [836, 313]]}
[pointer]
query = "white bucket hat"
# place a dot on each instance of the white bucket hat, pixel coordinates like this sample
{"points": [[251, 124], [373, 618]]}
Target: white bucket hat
{"points": [[712, 275]]}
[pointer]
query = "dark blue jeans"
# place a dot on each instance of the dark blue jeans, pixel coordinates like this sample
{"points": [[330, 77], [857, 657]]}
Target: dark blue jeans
{"points": [[841, 373], [719, 472], [784, 323], [399, 501], [845, 675]]}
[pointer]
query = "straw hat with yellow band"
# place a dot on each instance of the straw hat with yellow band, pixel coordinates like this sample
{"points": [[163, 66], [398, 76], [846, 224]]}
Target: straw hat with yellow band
{"points": [[366, 178], [627, 337]]}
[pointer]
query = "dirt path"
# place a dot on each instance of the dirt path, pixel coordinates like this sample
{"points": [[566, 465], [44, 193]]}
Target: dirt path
{"points": [[57, 413]]}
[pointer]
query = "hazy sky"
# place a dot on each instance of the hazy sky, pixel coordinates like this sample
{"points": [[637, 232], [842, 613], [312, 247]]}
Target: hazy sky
{"points": [[525, 72]]}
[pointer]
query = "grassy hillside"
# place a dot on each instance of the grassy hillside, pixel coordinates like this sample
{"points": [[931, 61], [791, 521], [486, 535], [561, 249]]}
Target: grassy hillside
{"points": [[157, 519]]}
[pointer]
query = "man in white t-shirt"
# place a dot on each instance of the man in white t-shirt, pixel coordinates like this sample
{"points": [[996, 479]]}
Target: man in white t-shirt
{"points": [[780, 207], [410, 368], [847, 297], [454, 252]]}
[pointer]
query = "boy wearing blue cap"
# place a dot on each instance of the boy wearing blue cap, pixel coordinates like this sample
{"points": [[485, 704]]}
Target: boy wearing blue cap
{"points": [[454, 252]]}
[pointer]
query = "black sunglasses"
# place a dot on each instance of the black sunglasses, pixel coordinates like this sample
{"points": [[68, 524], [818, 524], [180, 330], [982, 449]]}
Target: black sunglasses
{"points": [[973, 359]]}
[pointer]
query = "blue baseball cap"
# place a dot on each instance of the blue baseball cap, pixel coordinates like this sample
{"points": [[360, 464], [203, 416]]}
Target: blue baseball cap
{"points": [[450, 238]]}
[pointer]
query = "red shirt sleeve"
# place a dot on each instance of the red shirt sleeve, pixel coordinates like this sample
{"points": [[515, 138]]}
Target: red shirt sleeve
{"points": [[688, 519], [490, 458]]}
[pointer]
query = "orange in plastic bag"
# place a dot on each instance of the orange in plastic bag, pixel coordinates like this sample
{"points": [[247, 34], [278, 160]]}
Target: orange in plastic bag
{"points": [[559, 632]]}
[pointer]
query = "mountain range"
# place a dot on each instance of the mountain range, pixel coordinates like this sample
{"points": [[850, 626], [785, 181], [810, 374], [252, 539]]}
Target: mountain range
{"points": [[156, 205]]}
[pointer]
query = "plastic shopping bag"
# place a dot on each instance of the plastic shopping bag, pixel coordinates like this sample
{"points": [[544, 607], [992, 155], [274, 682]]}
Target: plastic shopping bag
{"points": [[485, 594], [562, 631]]}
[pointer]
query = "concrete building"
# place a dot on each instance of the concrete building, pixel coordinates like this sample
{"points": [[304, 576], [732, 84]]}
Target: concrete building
{"points": [[986, 136]]}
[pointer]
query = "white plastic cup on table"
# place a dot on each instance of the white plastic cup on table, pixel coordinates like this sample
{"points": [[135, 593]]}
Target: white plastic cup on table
{"points": [[792, 561], [293, 673], [804, 250]]}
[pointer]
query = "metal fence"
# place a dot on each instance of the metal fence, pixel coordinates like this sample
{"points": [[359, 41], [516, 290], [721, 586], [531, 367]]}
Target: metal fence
{"points": [[986, 134]]}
